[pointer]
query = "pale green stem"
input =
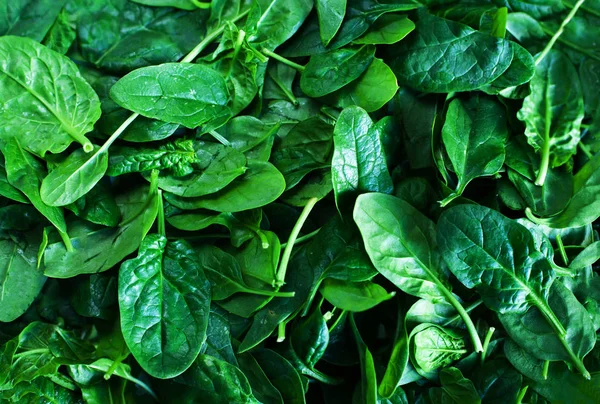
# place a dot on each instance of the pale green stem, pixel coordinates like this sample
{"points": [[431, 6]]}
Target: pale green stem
{"points": [[521, 395], [545, 163], [545, 370], [561, 248], [283, 60], [219, 138], [287, 253], [200, 4], [281, 331], [559, 32], [65, 238], [161, 215], [303, 239], [486, 343]]}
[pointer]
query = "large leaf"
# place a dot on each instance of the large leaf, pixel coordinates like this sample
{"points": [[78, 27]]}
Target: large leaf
{"points": [[184, 93], [359, 162], [31, 18], [445, 56], [164, 301], [48, 105], [20, 278], [501, 259], [554, 110], [474, 135]]}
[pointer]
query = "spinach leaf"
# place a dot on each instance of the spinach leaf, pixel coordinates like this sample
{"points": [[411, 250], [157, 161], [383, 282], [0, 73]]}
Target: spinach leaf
{"points": [[199, 93], [419, 66], [61, 107], [358, 163], [331, 14], [553, 111], [474, 135], [165, 335], [354, 296]]}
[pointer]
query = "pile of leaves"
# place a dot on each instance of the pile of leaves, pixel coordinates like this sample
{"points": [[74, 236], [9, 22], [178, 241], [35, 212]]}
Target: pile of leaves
{"points": [[288, 201]]}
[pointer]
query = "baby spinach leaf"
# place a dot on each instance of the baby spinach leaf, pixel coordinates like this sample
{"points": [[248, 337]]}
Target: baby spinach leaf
{"points": [[165, 336], [358, 163], [329, 72], [536, 336], [553, 111], [354, 296], [28, 18], [331, 14], [210, 379], [387, 29], [433, 347], [97, 249], [584, 205], [240, 194], [474, 136], [59, 106], [368, 386], [61, 35], [217, 167], [588, 256], [25, 173], [74, 177], [188, 94], [401, 244], [20, 278], [182, 4], [510, 283], [419, 66], [372, 90], [134, 36], [272, 22]]}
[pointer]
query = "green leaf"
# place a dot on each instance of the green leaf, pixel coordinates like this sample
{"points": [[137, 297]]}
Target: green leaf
{"points": [[372, 90], [433, 348], [47, 108], [61, 35], [25, 173], [218, 167], [387, 29], [133, 36], [29, 18], [359, 163], [532, 332], [188, 94], [331, 14], [20, 278], [182, 4], [310, 338], [584, 207], [368, 380], [589, 256], [272, 22], [74, 177], [240, 194], [210, 379], [282, 374], [500, 258], [165, 333], [474, 135], [97, 249], [418, 63], [354, 296], [553, 111], [327, 73]]}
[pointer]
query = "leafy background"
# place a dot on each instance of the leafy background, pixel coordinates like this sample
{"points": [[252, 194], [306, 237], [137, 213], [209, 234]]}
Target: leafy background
{"points": [[291, 201]]}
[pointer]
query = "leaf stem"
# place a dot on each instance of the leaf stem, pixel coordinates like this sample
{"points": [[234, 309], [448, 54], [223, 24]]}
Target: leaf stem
{"points": [[211, 36], [486, 343], [586, 150], [559, 32], [200, 4], [561, 248], [220, 138], [463, 314], [545, 369], [269, 293], [589, 10], [304, 238], [283, 60], [521, 395], [545, 163], [161, 215], [281, 331], [287, 253], [65, 238]]}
